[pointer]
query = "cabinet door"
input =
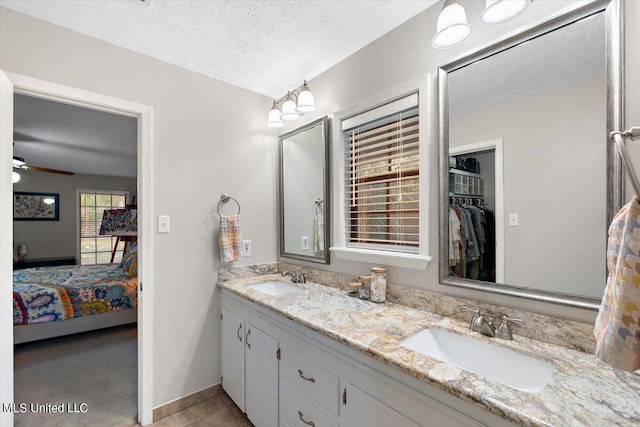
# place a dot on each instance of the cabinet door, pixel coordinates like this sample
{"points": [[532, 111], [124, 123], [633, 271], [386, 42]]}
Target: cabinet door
{"points": [[233, 357], [362, 410], [261, 378]]}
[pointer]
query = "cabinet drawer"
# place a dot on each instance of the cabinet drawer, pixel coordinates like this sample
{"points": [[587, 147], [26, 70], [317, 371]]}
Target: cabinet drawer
{"points": [[296, 411], [317, 383]]}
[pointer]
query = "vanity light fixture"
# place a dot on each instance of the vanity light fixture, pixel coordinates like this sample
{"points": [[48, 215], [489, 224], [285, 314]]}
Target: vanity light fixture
{"points": [[294, 104], [453, 28], [15, 177], [498, 11]]}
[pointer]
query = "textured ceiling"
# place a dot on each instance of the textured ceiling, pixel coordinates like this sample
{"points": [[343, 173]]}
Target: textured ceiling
{"points": [[566, 55], [265, 46], [60, 136]]}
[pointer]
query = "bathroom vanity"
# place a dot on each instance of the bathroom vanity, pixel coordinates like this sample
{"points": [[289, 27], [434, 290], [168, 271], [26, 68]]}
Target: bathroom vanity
{"points": [[316, 355]]}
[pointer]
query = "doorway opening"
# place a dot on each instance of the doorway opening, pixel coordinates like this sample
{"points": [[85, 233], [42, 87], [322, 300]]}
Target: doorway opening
{"points": [[138, 339]]}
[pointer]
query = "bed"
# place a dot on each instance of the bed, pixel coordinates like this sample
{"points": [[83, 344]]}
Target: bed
{"points": [[55, 301]]}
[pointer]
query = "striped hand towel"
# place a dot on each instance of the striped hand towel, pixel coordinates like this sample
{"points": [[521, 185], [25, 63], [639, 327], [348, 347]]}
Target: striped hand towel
{"points": [[617, 328], [230, 240], [318, 231]]}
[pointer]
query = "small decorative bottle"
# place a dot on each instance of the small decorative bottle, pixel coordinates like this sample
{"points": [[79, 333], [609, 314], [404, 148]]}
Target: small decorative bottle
{"points": [[378, 284], [365, 289]]}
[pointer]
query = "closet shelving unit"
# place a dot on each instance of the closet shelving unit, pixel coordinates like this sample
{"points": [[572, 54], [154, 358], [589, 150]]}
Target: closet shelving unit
{"points": [[465, 184]]}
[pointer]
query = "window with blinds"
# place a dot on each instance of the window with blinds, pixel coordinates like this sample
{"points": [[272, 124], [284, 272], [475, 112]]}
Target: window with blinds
{"points": [[96, 248], [382, 177]]}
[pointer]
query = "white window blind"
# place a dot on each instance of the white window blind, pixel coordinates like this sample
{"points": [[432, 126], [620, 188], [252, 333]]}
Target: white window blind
{"points": [[382, 177], [96, 248]]}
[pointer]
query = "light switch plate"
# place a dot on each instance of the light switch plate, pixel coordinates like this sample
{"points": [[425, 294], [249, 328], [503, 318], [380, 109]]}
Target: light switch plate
{"points": [[513, 219], [305, 243], [164, 223]]}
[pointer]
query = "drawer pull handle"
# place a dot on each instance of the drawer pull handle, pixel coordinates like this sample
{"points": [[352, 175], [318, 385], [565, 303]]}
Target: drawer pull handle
{"points": [[309, 423], [238, 332], [310, 379], [246, 339]]}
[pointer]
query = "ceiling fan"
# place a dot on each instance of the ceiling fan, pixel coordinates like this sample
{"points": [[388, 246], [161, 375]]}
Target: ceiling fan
{"points": [[19, 163]]}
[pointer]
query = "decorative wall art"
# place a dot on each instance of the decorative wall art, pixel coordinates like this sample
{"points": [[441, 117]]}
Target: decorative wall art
{"points": [[36, 206]]}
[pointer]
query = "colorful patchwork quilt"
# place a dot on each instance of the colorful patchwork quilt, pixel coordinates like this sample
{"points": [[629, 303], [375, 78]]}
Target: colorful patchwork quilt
{"points": [[50, 294]]}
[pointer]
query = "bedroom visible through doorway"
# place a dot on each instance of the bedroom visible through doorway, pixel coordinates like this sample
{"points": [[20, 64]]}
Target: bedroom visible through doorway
{"points": [[75, 302]]}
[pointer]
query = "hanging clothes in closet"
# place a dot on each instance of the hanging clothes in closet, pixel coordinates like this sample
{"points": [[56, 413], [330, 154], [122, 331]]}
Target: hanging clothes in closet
{"points": [[471, 240]]}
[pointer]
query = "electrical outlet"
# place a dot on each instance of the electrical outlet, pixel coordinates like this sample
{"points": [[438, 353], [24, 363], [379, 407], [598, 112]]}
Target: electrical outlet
{"points": [[305, 243], [246, 248], [513, 219], [164, 223]]}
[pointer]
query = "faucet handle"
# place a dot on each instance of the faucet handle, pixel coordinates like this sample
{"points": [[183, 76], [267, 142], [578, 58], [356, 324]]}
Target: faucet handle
{"points": [[504, 331], [474, 324]]}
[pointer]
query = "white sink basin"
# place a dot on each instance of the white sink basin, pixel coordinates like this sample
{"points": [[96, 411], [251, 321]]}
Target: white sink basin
{"points": [[492, 362], [276, 288]]}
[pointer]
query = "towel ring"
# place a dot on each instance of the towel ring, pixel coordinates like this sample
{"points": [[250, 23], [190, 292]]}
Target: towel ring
{"points": [[318, 203], [224, 198]]}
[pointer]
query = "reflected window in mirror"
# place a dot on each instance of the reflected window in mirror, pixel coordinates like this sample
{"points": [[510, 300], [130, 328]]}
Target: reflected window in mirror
{"points": [[529, 181], [304, 222]]}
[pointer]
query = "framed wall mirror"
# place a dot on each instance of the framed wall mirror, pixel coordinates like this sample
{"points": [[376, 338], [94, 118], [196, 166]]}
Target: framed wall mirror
{"points": [[304, 192], [529, 181]]}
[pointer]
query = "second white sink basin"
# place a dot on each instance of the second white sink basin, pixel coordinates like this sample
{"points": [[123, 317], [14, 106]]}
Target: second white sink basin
{"points": [[499, 364], [276, 288]]}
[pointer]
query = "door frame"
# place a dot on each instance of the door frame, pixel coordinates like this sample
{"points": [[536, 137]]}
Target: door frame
{"points": [[498, 146], [11, 83]]}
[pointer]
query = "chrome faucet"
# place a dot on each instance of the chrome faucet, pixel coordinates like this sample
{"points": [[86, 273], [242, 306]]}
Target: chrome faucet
{"points": [[295, 277], [504, 331], [483, 324]]}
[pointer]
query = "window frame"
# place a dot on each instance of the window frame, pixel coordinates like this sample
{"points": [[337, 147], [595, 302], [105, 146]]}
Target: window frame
{"points": [[424, 86], [79, 192]]}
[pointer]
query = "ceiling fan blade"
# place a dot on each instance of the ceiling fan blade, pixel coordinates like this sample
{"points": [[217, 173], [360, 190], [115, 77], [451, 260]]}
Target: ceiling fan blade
{"points": [[39, 169]]}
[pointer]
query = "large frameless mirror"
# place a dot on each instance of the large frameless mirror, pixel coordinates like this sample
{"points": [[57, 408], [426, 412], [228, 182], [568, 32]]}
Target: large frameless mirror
{"points": [[304, 197], [528, 179]]}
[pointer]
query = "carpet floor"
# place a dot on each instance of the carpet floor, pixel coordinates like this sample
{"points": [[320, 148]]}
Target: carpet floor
{"points": [[97, 368]]}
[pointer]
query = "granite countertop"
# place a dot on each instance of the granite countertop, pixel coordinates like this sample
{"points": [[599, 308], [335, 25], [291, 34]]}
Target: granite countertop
{"points": [[582, 391]]}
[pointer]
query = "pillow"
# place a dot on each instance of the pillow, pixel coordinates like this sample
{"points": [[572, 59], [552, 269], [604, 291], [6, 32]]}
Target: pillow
{"points": [[130, 265], [127, 253]]}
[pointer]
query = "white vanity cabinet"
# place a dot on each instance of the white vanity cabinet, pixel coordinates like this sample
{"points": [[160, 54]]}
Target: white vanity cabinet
{"points": [[363, 410], [320, 382], [250, 369], [233, 357]]}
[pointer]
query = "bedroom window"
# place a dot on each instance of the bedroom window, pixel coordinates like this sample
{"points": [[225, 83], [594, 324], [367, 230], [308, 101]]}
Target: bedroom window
{"points": [[94, 248], [382, 175]]}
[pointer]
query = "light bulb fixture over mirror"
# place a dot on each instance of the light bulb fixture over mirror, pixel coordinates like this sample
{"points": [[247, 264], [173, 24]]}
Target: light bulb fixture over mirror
{"points": [[453, 27], [498, 11], [294, 104], [15, 177]]}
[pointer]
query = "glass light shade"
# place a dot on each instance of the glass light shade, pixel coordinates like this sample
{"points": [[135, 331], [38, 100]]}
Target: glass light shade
{"points": [[452, 27], [306, 102], [497, 11], [15, 177], [289, 110], [274, 118]]}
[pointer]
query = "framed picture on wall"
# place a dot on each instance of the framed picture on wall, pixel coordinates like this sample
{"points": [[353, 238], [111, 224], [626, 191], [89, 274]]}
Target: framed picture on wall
{"points": [[36, 206]]}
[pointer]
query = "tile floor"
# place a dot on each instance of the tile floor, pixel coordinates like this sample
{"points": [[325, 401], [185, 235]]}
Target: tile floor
{"points": [[219, 411]]}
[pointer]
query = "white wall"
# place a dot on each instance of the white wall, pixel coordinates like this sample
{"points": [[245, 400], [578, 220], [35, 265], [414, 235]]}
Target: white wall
{"points": [[404, 54], [209, 138], [554, 179], [47, 239]]}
